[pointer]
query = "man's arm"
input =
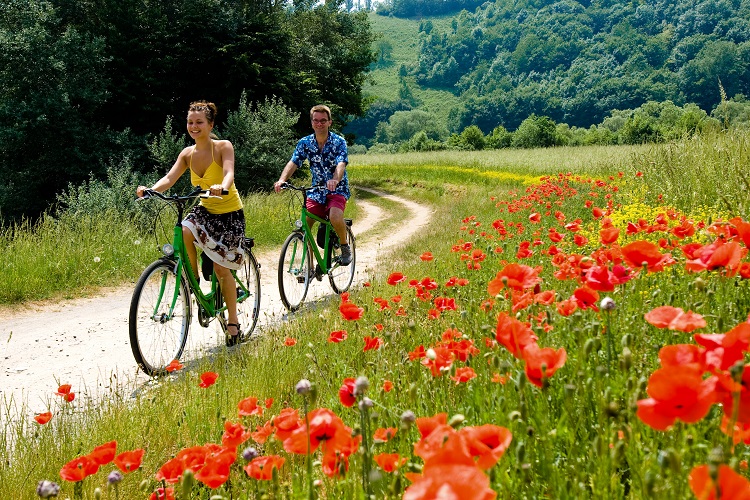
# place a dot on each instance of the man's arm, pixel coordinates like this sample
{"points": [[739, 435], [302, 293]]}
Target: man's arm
{"points": [[285, 175]]}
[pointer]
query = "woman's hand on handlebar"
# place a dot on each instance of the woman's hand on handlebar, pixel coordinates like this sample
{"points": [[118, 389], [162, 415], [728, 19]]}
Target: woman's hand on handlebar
{"points": [[279, 185], [140, 191]]}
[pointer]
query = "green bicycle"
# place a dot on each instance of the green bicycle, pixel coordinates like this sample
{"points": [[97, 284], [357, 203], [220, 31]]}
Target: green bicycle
{"points": [[300, 252], [161, 309]]}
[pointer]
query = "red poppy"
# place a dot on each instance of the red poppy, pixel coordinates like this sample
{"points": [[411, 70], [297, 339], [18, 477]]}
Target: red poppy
{"points": [[440, 361], [43, 418], [346, 393], [384, 434], [234, 434], [268, 403], [516, 276], [433, 314], [600, 278], [464, 374], [337, 336], [389, 462], [104, 454], [350, 312], [171, 471], [542, 363], [487, 442], [208, 379], [174, 366], [372, 343], [426, 256], [396, 278], [677, 392], [324, 428], [79, 469], [644, 253], [128, 461], [567, 307], [64, 392], [586, 298], [290, 341], [261, 468], [500, 379], [682, 354], [535, 217], [609, 235], [215, 471], [730, 484], [262, 432], [418, 353], [193, 457], [717, 255], [249, 406], [513, 334], [387, 386], [675, 318], [162, 494], [426, 425]]}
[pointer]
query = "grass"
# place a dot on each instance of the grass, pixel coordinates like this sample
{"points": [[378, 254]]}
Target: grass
{"points": [[403, 34], [576, 436]]}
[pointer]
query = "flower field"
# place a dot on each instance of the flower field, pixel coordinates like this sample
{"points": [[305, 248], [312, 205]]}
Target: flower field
{"points": [[553, 334]]}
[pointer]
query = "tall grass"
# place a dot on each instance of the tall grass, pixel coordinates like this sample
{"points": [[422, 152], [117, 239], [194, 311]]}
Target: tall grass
{"points": [[576, 437]]}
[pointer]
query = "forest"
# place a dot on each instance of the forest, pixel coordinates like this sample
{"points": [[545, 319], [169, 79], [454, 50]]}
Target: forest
{"points": [[574, 62], [87, 85]]}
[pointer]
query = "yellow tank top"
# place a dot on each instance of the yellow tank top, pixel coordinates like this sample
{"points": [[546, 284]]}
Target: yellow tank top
{"points": [[215, 175]]}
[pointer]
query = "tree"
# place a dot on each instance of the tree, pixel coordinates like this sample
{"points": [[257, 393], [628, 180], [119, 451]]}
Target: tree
{"points": [[535, 132]]}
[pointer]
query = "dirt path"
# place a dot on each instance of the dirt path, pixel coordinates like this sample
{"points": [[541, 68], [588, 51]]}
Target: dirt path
{"points": [[85, 343]]}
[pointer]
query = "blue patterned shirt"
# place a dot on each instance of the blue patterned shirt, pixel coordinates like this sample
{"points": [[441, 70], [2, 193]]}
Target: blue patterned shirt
{"points": [[323, 163]]}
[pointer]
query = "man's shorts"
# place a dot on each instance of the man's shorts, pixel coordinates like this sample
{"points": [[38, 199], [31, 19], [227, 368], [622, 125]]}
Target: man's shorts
{"points": [[332, 200]]}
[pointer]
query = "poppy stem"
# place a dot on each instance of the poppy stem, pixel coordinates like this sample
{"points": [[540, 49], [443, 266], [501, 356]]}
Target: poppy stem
{"points": [[310, 492], [609, 343]]}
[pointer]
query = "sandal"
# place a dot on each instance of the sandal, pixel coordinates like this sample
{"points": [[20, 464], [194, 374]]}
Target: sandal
{"points": [[233, 340]]}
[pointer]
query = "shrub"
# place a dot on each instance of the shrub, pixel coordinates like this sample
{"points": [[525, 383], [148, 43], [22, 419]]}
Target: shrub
{"points": [[535, 132]]}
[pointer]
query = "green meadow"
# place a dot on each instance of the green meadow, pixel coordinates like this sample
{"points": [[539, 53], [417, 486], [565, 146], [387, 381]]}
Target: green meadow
{"points": [[510, 350]]}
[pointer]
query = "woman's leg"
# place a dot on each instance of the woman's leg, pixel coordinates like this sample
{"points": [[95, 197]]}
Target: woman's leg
{"points": [[229, 291], [189, 240]]}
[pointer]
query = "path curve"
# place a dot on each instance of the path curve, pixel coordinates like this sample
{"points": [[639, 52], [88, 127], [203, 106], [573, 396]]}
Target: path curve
{"points": [[85, 342]]}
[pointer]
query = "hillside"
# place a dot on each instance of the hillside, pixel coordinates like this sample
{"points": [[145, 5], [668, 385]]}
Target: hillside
{"points": [[575, 62]]}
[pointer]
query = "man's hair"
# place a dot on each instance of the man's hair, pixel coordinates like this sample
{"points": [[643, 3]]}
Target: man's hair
{"points": [[320, 108]]}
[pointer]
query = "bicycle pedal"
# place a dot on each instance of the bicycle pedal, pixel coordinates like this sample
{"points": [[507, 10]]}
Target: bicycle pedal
{"points": [[300, 279]]}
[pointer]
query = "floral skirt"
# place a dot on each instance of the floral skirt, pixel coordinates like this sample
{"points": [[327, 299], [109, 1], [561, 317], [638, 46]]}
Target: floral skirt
{"points": [[220, 236]]}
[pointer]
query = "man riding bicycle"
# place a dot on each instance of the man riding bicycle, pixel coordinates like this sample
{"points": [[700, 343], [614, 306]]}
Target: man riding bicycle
{"points": [[327, 154]]}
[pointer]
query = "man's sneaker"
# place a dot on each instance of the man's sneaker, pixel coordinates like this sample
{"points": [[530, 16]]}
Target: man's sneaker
{"points": [[346, 255]]}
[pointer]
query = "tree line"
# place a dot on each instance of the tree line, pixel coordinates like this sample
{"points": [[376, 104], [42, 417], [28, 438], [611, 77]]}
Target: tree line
{"points": [[85, 84], [578, 61]]}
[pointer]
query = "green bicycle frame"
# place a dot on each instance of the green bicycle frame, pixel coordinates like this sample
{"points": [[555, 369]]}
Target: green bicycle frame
{"points": [[323, 259], [206, 301]]}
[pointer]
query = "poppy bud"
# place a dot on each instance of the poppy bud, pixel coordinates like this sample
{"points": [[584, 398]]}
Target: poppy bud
{"points": [[699, 284], [412, 392], [650, 482], [188, 480], [411, 325], [619, 452], [431, 354], [570, 390], [514, 415], [608, 304], [47, 489], [114, 477], [408, 417], [361, 385], [98, 494], [365, 404], [144, 486], [626, 361], [456, 420], [627, 340], [520, 382], [588, 347], [520, 451], [303, 386]]}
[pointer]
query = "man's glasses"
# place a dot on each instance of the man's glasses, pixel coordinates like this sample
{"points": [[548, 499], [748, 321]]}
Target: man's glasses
{"points": [[325, 120]]}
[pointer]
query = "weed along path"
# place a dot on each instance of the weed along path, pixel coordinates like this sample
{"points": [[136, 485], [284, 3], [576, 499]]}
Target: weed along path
{"points": [[85, 342]]}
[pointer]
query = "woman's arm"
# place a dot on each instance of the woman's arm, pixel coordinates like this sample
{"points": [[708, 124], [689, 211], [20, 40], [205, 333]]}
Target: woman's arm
{"points": [[166, 182], [226, 151]]}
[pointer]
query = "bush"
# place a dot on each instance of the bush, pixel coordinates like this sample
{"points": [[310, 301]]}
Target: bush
{"points": [[535, 132], [420, 142], [499, 138], [263, 139]]}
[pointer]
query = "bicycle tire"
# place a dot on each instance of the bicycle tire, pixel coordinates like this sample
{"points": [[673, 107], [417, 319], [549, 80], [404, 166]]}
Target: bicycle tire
{"points": [[341, 277], [248, 309], [294, 271], [156, 338]]}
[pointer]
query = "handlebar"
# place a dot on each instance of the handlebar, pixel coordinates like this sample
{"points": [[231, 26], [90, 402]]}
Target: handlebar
{"points": [[287, 185], [195, 193]]}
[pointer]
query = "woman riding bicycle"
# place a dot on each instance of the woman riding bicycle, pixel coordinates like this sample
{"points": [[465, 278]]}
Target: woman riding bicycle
{"points": [[328, 158], [216, 225]]}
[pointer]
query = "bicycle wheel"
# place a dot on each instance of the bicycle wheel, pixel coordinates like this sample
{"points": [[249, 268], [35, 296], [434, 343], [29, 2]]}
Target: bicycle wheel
{"points": [[159, 317], [294, 271], [341, 277], [248, 302]]}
